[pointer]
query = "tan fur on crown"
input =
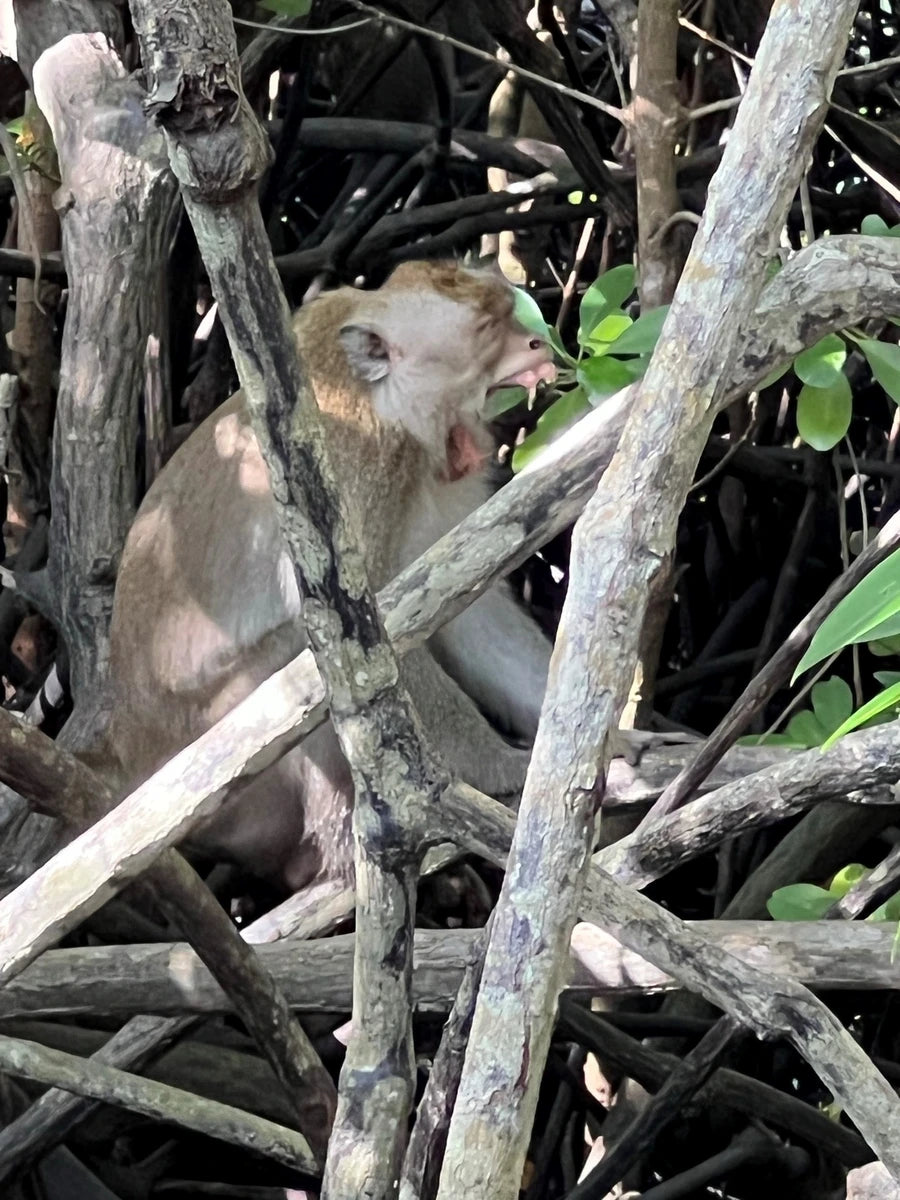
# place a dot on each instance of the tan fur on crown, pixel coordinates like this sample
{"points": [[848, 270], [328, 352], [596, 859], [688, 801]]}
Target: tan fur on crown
{"points": [[488, 293]]}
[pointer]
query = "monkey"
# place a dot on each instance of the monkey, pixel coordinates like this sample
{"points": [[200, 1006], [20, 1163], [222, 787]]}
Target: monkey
{"points": [[206, 604]]}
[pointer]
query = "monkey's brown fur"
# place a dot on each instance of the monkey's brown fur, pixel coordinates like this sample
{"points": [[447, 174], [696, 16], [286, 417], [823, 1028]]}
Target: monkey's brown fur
{"points": [[206, 605]]}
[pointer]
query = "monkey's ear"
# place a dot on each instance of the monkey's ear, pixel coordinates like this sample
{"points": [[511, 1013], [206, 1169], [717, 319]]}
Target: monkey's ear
{"points": [[367, 352]]}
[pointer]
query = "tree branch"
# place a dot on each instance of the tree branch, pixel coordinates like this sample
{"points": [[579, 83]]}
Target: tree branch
{"points": [[627, 530]]}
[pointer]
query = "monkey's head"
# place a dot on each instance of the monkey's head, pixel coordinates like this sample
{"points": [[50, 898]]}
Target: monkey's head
{"points": [[432, 343]]}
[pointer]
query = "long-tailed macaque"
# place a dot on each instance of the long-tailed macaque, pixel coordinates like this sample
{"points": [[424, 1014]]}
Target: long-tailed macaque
{"points": [[206, 604]]}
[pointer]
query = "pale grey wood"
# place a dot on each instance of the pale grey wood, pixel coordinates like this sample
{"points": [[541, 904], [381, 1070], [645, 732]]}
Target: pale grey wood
{"points": [[626, 532], [862, 767], [28, 1060], [317, 977]]}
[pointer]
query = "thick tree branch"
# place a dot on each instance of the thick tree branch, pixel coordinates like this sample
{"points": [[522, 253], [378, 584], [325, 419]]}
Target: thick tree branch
{"points": [[158, 1100], [627, 530], [654, 117], [117, 204], [317, 976], [218, 151], [862, 767]]}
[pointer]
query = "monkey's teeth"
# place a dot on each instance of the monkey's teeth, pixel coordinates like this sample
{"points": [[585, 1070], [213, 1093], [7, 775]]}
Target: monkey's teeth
{"points": [[528, 378]]}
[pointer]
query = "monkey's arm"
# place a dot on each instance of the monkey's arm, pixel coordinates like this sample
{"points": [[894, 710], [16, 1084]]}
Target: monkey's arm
{"points": [[466, 741], [499, 656]]}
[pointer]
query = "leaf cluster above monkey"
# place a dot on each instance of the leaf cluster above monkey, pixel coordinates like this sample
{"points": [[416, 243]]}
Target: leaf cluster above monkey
{"points": [[206, 603]]}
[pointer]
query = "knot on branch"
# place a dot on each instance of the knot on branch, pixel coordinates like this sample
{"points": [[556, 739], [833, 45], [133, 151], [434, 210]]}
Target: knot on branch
{"points": [[191, 103], [218, 148]]}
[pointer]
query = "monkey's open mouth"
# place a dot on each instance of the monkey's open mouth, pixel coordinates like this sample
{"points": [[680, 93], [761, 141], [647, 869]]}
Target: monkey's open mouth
{"points": [[527, 378]]}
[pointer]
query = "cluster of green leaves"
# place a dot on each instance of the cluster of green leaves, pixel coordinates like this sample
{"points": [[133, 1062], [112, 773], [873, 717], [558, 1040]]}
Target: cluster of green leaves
{"points": [[613, 351], [825, 401], [869, 614], [807, 902], [33, 155]]}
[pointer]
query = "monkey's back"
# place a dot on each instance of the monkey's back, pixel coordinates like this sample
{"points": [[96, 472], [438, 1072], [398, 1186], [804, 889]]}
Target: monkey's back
{"points": [[206, 569]]}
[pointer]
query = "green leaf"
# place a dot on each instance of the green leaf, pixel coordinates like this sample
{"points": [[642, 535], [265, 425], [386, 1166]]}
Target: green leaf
{"points": [[608, 292], [821, 364], [889, 911], [805, 729], [885, 631], [773, 376], [610, 327], [872, 601], [503, 399], [565, 411], [884, 359], [16, 126], [888, 647], [832, 703], [643, 335], [887, 678], [768, 739], [799, 902], [873, 226], [287, 8], [847, 878], [556, 342], [889, 698], [823, 413], [601, 376], [527, 313]]}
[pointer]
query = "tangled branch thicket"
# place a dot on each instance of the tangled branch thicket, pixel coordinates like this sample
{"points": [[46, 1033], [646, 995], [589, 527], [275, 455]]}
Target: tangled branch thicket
{"points": [[569, 142]]}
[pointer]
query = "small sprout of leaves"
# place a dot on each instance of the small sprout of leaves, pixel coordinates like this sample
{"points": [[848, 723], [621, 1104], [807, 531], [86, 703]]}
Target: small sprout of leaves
{"points": [[808, 902], [604, 296]]}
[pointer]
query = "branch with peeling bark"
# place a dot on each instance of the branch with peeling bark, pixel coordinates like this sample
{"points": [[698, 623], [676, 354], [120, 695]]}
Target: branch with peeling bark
{"points": [[709, 962], [317, 976], [218, 152]]}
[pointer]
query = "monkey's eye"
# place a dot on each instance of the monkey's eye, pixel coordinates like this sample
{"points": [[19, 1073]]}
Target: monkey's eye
{"points": [[535, 343]]}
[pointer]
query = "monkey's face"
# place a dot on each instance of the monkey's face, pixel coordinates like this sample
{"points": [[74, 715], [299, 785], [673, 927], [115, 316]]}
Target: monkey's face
{"points": [[432, 343]]}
